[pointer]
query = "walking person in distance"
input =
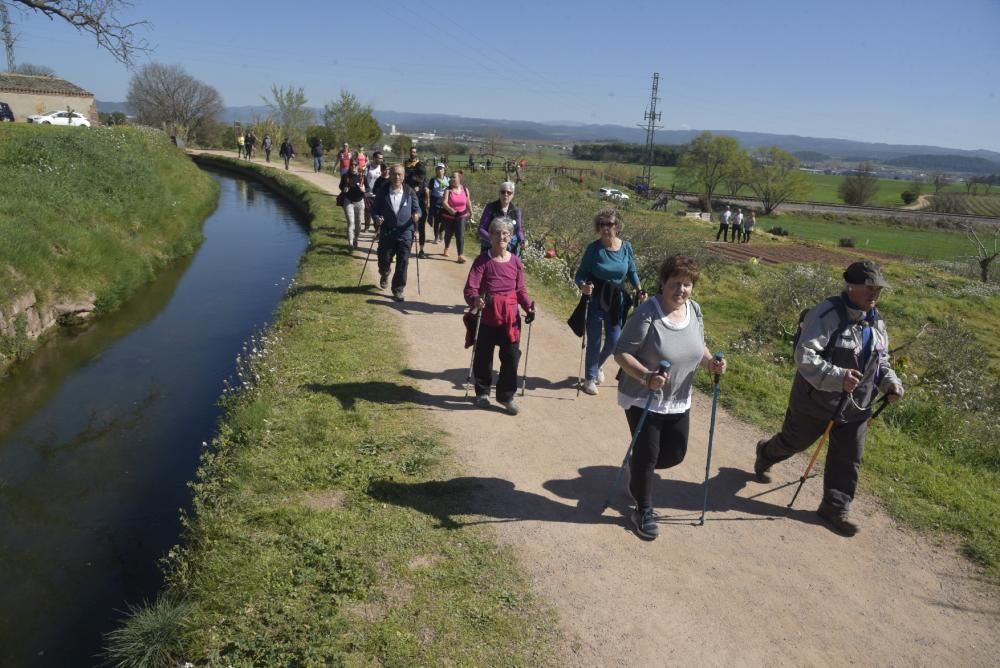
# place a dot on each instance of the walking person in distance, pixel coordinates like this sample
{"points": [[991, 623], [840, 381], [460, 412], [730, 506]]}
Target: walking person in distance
{"points": [[456, 207], [668, 327], [286, 151], [842, 359], [723, 225], [352, 193]]}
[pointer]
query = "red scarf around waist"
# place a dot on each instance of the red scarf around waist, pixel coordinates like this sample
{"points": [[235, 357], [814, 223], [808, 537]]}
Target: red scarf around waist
{"points": [[501, 311]]}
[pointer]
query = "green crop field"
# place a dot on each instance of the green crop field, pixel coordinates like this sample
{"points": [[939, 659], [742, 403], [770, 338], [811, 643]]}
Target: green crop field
{"points": [[874, 235]]}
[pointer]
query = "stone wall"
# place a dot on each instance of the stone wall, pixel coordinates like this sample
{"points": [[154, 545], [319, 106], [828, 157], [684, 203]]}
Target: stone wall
{"points": [[38, 319], [28, 104]]}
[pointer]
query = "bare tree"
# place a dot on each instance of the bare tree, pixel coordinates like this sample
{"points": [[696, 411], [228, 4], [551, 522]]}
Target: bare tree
{"points": [[984, 256], [939, 181], [859, 188], [34, 70], [97, 17], [165, 96]]}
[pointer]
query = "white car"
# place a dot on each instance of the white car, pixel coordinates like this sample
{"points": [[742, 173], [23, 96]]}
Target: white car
{"points": [[612, 193], [60, 118]]}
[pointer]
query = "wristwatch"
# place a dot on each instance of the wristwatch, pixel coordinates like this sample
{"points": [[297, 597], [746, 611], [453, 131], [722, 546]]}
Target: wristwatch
{"points": [[646, 376]]}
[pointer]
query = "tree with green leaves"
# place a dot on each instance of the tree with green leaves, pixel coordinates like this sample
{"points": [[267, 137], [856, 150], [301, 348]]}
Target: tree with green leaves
{"points": [[775, 177], [707, 162], [401, 145], [859, 188], [289, 112], [351, 121]]}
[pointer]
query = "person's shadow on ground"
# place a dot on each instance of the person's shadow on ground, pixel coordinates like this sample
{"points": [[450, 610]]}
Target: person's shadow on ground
{"points": [[477, 500], [382, 392]]}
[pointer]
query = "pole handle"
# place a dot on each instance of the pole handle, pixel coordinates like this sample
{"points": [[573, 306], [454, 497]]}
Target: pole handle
{"points": [[718, 358]]}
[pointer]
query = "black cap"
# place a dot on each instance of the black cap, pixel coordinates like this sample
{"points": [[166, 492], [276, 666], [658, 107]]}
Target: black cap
{"points": [[865, 273]]}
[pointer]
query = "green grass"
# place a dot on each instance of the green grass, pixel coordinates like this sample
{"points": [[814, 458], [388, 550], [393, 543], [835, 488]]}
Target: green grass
{"points": [[93, 213], [873, 234], [933, 460], [327, 526]]}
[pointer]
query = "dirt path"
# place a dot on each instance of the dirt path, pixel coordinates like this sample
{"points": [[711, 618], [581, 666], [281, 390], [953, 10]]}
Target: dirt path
{"points": [[757, 585]]}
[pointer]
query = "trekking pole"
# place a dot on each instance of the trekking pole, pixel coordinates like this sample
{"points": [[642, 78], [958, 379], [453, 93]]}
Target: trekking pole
{"points": [[711, 436], [367, 257], [472, 360], [664, 367], [527, 351], [819, 446], [583, 346]]}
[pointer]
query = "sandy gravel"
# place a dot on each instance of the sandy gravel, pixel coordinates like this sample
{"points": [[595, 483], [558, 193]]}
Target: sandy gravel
{"points": [[756, 585]]}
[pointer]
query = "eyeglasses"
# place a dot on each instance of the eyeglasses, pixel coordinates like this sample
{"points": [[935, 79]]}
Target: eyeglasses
{"points": [[605, 224], [506, 192]]}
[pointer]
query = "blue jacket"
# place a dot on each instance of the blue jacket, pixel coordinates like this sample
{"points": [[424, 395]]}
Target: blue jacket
{"points": [[401, 224]]}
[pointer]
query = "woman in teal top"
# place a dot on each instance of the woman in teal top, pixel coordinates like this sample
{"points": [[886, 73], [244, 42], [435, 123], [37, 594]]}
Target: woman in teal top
{"points": [[606, 264]]}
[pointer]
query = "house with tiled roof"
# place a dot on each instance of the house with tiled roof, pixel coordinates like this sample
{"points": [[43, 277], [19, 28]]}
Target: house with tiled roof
{"points": [[28, 95]]}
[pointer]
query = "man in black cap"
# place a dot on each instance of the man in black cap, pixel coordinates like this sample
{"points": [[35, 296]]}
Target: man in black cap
{"points": [[416, 177], [842, 355]]}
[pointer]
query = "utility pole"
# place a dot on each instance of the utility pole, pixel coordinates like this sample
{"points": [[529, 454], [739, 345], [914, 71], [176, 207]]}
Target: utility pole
{"points": [[651, 117], [8, 37]]}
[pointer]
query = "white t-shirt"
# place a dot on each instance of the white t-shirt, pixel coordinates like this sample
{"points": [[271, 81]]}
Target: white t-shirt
{"points": [[659, 404]]}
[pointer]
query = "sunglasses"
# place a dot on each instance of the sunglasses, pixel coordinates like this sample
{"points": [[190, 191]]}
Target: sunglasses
{"points": [[605, 224], [506, 192]]}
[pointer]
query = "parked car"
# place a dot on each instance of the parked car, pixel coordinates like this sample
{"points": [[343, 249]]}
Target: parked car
{"points": [[612, 194], [60, 118], [5, 113]]}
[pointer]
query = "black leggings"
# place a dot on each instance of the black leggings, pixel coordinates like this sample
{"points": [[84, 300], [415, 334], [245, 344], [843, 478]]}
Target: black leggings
{"points": [[661, 445], [454, 227]]}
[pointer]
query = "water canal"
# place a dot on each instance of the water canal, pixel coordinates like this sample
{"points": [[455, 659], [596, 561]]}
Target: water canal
{"points": [[100, 432]]}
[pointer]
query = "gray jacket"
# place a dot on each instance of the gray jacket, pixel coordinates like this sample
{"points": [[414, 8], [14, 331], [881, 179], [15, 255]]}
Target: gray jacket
{"points": [[818, 384]]}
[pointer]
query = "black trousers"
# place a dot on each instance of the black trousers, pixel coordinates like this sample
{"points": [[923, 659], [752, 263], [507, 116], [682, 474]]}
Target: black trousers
{"points": [[397, 246], [454, 227], [662, 444], [434, 218], [482, 362], [843, 456], [723, 232], [421, 224], [737, 233]]}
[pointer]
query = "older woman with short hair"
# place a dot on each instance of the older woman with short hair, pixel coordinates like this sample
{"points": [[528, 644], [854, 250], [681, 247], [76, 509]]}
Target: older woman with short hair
{"points": [[498, 208], [456, 208], [667, 327], [496, 287], [606, 264]]}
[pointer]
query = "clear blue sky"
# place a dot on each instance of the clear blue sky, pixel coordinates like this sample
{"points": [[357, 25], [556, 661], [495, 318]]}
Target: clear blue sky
{"points": [[894, 71]]}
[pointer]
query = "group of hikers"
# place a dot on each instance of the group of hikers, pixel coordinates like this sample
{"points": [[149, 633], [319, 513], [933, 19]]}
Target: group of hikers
{"points": [[742, 225], [658, 341]]}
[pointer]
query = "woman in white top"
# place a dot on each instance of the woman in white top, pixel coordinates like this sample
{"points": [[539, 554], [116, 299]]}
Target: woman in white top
{"points": [[669, 327]]}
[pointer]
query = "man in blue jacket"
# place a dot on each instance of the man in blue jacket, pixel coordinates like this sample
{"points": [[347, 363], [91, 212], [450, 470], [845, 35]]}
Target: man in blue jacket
{"points": [[397, 209]]}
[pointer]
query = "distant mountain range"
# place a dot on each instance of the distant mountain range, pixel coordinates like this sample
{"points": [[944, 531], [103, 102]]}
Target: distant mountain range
{"points": [[568, 133]]}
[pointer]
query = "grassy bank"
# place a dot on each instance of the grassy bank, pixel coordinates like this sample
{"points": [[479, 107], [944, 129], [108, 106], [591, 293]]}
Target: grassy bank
{"points": [[320, 533], [92, 214], [934, 459]]}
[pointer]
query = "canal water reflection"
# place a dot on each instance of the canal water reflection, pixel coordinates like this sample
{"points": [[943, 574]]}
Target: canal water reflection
{"points": [[101, 431]]}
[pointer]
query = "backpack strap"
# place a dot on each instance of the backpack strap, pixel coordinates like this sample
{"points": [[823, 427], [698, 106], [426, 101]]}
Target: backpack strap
{"points": [[836, 304]]}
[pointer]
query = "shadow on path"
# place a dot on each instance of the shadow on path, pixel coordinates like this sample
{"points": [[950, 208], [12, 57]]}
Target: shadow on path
{"points": [[382, 392]]}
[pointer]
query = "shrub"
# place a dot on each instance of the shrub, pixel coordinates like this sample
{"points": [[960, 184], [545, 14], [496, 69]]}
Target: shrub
{"points": [[908, 197], [151, 637], [847, 242], [779, 231]]}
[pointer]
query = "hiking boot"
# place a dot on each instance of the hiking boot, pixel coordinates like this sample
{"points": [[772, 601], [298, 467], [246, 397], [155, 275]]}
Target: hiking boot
{"points": [[590, 386], [397, 295], [644, 522], [762, 467], [511, 407], [383, 280], [838, 520], [482, 401], [600, 376], [422, 255]]}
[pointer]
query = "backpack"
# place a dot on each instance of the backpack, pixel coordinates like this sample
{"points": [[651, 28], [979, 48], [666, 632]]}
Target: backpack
{"points": [[837, 304]]}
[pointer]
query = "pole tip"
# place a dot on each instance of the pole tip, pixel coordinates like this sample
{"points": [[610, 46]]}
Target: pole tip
{"points": [[719, 357], [664, 365]]}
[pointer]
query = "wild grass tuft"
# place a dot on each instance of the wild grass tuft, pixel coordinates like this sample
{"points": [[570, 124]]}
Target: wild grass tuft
{"points": [[152, 637]]}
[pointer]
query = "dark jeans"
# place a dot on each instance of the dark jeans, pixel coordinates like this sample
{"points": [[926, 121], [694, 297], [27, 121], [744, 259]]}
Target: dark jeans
{"points": [[397, 246], [454, 227], [482, 365], [287, 158], [746, 236], [662, 444], [737, 233], [597, 355], [267, 154], [723, 232], [843, 457]]}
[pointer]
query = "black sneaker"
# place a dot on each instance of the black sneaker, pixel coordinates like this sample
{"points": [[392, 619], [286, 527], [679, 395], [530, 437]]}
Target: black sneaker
{"points": [[422, 255], [762, 467], [644, 522], [482, 401], [397, 295], [838, 520], [383, 281]]}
